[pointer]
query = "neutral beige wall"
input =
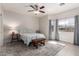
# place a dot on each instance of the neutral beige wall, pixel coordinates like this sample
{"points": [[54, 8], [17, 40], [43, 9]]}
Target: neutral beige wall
{"points": [[1, 33], [43, 26], [0, 9], [21, 22], [1, 27]]}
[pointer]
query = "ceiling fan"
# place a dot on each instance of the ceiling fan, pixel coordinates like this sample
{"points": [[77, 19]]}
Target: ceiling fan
{"points": [[36, 9]]}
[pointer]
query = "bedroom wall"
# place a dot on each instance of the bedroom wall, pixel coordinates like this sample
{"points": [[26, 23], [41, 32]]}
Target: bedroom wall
{"points": [[1, 27], [43, 26], [69, 13], [13, 21]]}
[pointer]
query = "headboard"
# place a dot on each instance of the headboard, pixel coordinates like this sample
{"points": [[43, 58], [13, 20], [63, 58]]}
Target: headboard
{"points": [[24, 30]]}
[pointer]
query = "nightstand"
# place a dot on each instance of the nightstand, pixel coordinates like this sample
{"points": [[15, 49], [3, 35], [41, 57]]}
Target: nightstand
{"points": [[15, 36]]}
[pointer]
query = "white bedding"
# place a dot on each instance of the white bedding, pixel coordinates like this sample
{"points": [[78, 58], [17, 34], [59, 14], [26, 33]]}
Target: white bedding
{"points": [[28, 37]]}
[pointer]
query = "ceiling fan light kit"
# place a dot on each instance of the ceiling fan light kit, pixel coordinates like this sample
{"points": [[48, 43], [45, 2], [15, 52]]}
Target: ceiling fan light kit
{"points": [[36, 12], [36, 9]]}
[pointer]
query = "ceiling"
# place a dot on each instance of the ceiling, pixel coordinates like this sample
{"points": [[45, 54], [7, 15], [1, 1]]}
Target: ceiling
{"points": [[50, 8]]}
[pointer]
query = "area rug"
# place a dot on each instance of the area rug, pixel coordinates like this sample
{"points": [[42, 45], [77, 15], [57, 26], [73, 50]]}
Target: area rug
{"points": [[20, 49]]}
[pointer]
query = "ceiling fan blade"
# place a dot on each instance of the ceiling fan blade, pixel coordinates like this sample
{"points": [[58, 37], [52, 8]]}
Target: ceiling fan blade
{"points": [[41, 11], [42, 7], [32, 6], [30, 10], [36, 7]]}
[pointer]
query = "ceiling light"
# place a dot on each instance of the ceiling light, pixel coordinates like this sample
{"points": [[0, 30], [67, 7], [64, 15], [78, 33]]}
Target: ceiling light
{"points": [[36, 12]]}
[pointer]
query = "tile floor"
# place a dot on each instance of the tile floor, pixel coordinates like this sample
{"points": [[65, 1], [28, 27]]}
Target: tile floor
{"points": [[69, 50]]}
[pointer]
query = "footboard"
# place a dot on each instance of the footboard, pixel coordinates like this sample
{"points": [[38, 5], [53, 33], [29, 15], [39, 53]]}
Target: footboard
{"points": [[37, 42]]}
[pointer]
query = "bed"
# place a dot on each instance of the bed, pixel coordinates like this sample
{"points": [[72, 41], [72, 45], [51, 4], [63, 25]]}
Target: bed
{"points": [[28, 37]]}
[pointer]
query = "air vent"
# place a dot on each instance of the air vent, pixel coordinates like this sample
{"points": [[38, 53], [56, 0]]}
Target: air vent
{"points": [[61, 4]]}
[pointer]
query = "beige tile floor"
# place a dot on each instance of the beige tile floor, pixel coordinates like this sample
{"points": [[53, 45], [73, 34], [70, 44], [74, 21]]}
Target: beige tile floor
{"points": [[69, 50]]}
